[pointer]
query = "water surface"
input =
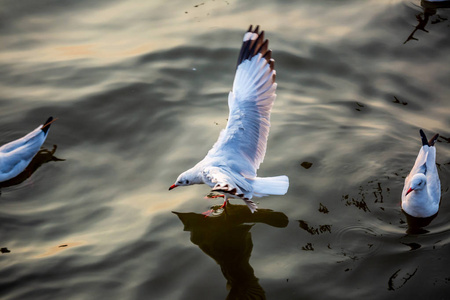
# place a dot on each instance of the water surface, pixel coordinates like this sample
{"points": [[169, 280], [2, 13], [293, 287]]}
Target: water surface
{"points": [[140, 90]]}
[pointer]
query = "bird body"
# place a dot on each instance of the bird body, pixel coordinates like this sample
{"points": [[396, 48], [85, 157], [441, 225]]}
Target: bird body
{"points": [[16, 155], [422, 190], [230, 166]]}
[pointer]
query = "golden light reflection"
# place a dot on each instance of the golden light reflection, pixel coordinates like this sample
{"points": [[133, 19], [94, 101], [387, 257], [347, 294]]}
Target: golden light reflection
{"points": [[77, 50], [57, 249], [139, 49], [157, 202]]}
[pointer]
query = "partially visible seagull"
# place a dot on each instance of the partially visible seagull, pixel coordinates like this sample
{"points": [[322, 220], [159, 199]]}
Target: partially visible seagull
{"points": [[422, 191], [16, 155], [230, 166]]}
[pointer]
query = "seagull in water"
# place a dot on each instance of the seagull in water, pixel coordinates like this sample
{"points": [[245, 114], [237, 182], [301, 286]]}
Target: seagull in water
{"points": [[16, 155], [230, 166], [422, 191]]}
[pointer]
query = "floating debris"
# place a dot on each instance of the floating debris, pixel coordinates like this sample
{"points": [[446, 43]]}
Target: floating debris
{"points": [[398, 101], [323, 209], [405, 279], [308, 247], [306, 164], [4, 250], [447, 140], [321, 229]]}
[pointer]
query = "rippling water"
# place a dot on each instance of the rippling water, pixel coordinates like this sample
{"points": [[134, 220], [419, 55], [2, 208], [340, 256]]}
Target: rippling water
{"points": [[140, 90]]}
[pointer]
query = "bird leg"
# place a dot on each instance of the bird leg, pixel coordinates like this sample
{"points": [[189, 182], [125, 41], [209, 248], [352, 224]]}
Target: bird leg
{"points": [[224, 206], [225, 202], [208, 213], [214, 196]]}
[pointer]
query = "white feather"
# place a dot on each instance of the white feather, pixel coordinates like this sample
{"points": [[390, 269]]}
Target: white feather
{"points": [[231, 164], [16, 155], [422, 201]]}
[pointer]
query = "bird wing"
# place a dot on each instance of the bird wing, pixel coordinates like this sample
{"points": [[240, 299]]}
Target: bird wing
{"points": [[243, 142], [420, 166], [16, 155], [433, 182], [11, 146], [225, 181]]}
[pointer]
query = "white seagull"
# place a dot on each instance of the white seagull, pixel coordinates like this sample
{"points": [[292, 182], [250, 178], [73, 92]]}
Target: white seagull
{"points": [[16, 155], [230, 166], [422, 191]]}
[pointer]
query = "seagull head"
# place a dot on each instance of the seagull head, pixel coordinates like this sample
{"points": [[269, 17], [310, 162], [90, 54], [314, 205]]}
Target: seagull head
{"points": [[183, 180], [418, 182]]}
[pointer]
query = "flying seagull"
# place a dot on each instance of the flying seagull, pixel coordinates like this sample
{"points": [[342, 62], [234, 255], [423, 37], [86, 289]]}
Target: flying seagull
{"points": [[422, 191], [230, 166], [16, 155]]}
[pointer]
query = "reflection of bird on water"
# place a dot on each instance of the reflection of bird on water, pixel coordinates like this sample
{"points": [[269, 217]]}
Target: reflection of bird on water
{"points": [[17, 155], [230, 166], [429, 9], [415, 225], [422, 191], [43, 156], [228, 241]]}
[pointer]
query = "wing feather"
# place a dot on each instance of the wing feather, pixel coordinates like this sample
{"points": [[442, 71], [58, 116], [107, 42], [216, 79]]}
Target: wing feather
{"points": [[16, 155], [418, 167], [433, 182], [244, 140]]}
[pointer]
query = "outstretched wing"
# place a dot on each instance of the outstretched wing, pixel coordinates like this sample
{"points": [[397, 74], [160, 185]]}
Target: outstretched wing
{"points": [[243, 142]]}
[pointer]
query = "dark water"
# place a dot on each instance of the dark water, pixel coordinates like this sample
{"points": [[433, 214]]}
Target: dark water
{"points": [[140, 90]]}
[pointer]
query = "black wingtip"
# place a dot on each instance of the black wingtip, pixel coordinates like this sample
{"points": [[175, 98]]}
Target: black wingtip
{"points": [[251, 47], [424, 138], [433, 140], [46, 125], [429, 142]]}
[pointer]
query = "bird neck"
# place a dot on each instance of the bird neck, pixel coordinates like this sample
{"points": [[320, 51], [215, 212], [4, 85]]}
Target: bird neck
{"points": [[195, 175]]}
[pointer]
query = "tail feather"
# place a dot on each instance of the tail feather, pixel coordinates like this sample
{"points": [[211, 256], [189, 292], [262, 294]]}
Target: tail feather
{"points": [[263, 186]]}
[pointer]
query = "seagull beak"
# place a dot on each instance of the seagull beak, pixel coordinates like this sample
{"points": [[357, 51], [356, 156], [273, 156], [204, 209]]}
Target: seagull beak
{"points": [[172, 186], [409, 191]]}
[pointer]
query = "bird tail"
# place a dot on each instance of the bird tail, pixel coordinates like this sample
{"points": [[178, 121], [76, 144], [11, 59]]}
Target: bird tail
{"points": [[263, 186]]}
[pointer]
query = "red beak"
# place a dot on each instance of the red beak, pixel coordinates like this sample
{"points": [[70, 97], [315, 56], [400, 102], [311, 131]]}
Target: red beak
{"points": [[409, 191], [172, 186]]}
